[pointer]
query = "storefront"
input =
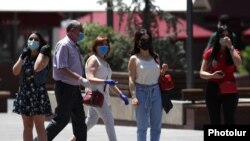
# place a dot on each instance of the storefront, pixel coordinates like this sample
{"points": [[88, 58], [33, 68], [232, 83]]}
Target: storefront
{"points": [[15, 27]]}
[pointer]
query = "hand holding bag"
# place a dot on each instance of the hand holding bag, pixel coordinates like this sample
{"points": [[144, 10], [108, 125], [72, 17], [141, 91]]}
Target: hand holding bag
{"points": [[228, 87], [93, 98], [166, 82]]}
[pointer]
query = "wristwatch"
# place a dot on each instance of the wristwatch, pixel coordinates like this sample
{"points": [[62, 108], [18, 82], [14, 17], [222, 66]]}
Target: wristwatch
{"points": [[231, 48]]}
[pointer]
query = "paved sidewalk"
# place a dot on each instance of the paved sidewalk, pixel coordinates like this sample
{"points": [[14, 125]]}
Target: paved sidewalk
{"points": [[11, 130]]}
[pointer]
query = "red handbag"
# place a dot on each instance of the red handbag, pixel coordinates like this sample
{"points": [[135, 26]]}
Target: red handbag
{"points": [[228, 87], [93, 98], [166, 82]]}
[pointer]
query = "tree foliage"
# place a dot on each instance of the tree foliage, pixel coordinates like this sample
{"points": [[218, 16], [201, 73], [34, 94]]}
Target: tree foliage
{"points": [[245, 67], [144, 14], [171, 52], [120, 45]]}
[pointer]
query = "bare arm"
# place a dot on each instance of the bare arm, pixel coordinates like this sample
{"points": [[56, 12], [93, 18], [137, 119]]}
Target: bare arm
{"points": [[203, 70], [41, 62], [119, 93], [132, 75], [235, 56], [116, 90], [204, 74], [164, 68], [17, 67], [92, 66]]}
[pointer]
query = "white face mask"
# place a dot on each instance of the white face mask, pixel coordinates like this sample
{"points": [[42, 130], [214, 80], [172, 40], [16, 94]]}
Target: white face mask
{"points": [[221, 41]]}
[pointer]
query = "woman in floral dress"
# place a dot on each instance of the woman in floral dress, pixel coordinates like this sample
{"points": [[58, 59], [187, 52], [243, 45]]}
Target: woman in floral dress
{"points": [[32, 101]]}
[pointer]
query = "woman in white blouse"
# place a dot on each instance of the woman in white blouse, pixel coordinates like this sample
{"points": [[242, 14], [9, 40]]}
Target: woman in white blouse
{"points": [[144, 71]]}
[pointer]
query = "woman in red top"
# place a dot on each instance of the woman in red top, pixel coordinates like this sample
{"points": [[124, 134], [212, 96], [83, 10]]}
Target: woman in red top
{"points": [[218, 66]]}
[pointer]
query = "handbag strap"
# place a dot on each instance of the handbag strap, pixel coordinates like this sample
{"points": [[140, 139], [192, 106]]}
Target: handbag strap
{"points": [[105, 85]]}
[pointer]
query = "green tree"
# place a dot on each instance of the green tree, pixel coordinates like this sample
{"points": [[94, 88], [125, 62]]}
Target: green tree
{"points": [[171, 52], [245, 67], [120, 45], [144, 14]]}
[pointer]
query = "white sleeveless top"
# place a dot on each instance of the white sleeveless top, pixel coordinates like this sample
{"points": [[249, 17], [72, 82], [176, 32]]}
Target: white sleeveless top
{"points": [[103, 72], [147, 71]]}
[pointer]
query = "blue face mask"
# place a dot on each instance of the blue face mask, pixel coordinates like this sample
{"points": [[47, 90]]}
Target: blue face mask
{"points": [[33, 45], [80, 36], [102, 50]]}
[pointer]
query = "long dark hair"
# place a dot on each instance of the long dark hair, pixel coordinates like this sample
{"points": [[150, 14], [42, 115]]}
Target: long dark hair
{"points": [[137, 38], [217, 46], [42, 41]]}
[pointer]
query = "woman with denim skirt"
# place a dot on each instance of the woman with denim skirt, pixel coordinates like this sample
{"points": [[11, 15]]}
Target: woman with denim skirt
{"points": [[144, 71]]}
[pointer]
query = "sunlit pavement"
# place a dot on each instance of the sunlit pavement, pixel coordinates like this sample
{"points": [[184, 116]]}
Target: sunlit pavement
{"points": [[11, 130]]}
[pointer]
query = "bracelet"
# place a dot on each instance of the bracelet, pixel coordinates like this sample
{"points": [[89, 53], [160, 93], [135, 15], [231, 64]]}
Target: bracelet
{"points": [[231, 48]]}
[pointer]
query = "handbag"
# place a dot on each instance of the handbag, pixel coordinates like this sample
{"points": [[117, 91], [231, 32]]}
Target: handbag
{"points": [[93, 98], [166, 82], [227, 87], [167, 104]]}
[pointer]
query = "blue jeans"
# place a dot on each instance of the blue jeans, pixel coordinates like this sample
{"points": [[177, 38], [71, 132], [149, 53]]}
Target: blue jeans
{"points": [[148, 112]]}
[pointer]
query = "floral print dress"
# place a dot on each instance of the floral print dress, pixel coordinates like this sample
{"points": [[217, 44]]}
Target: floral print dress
{"points": [[32, 97]]}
